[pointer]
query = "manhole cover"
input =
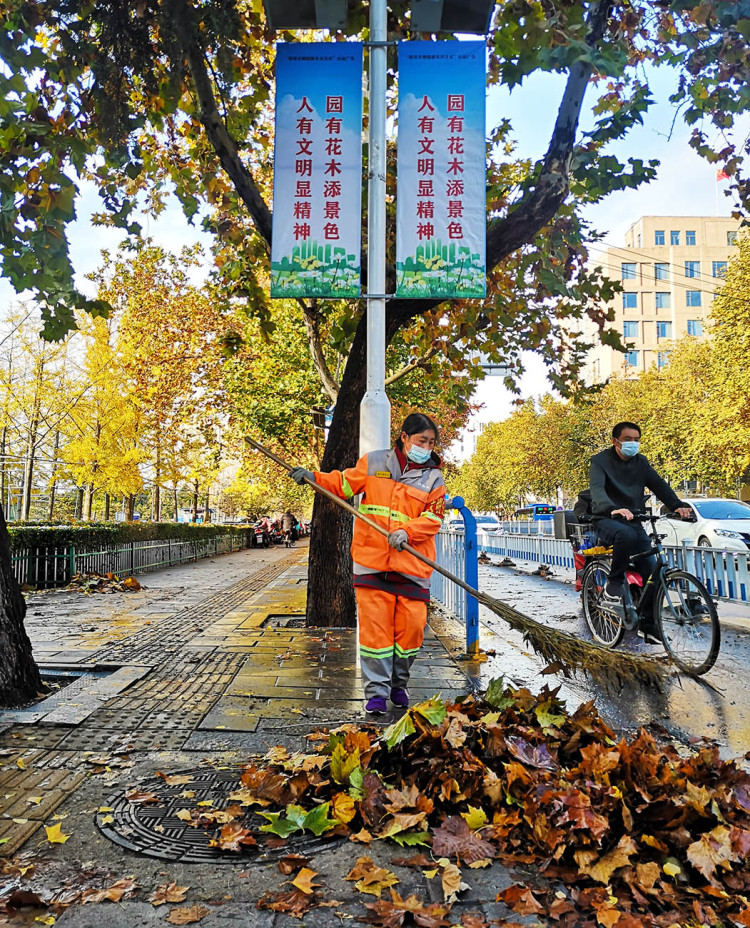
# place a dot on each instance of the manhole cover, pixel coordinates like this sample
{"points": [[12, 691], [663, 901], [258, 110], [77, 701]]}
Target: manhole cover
{"points": [[153, 829]]}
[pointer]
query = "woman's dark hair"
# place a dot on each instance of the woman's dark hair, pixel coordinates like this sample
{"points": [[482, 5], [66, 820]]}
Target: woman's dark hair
{"points": [[415, 423], [621, 426]]}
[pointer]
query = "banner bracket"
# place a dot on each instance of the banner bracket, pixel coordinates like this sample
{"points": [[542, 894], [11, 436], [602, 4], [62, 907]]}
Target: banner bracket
{"points": [[384, 44], [377, 296]]}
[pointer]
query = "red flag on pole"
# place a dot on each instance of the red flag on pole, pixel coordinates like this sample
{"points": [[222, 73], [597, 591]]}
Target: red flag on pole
{"points": [[721, 174]]}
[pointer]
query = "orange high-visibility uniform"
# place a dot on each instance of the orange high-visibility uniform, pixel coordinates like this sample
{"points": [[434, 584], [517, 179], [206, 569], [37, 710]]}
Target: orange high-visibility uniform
{"points": [[392, 586]]}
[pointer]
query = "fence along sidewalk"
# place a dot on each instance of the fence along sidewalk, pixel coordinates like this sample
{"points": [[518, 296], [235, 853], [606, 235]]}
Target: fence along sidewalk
{"points": [[45, 567], [726, 574]]}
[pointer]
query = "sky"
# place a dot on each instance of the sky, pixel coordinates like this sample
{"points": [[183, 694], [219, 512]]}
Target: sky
{"points": [[685, 185]]}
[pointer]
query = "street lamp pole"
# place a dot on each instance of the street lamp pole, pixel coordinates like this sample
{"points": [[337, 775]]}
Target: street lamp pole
{"points": [[375, 409]]}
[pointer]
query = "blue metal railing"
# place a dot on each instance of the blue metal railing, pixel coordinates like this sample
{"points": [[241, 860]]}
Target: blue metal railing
{"points": [[726, 574], [457, 551]]}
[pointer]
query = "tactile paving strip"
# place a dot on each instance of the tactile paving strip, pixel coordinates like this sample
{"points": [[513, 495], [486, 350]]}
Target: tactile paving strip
{"points": [[154, 830], [149, 643]]}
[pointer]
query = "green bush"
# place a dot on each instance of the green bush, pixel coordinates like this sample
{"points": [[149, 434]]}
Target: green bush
{"points": [[95, 535]]}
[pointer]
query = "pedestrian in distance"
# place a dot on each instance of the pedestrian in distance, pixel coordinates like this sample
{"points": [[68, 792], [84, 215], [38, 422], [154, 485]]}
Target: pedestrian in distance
{"points": [[288, 526], [402, 489]]}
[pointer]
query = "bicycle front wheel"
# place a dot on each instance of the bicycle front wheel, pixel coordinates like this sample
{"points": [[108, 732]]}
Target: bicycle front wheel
{"points": [[687, 618], [607, 629]]}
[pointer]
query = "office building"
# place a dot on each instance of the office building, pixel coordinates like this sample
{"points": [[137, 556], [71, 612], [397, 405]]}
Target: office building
{"points": [[670, 267]]}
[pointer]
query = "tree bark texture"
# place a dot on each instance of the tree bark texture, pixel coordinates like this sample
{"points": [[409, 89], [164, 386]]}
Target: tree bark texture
{"points": [[19, 676], [330, 589]]}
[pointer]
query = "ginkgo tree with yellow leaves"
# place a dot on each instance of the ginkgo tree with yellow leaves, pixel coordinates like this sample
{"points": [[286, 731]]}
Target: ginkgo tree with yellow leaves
{"points": [[102, 450]]}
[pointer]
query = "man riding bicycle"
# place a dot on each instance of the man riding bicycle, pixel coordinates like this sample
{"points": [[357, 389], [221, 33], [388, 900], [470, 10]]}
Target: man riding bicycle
{"points": [[617, 480]]}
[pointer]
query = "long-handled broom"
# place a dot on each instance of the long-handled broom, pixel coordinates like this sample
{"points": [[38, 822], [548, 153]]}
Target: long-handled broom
{"points": [[612, 668]]}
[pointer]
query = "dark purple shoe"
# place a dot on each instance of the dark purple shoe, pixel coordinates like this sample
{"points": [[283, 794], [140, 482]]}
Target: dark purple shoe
{"points": [[400, 698], [376, 706]]}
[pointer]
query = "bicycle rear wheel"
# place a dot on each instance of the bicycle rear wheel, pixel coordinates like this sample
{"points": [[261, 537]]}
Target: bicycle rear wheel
{"points": [[607, 629], [686, 615]]}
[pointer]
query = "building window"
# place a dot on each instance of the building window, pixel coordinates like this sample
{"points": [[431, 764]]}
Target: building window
{"points": [[628, 271], [630, 329], [661, 271], [692, 268], [695, 327], [674, 237], [663, 329], [661, 358], [659, 237], [731, 238], [689, 237], [630, 301], [631, 358], [663, 301], [693, 298], [719, 268]]}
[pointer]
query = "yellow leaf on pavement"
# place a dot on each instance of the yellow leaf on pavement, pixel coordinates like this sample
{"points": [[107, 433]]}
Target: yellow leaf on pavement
{"points": [[343, 808], [55, 834]]}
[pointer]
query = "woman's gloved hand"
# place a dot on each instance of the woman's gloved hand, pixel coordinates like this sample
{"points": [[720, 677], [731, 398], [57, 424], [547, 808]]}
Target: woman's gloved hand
{"points": [[398, 539], [300, 475]]}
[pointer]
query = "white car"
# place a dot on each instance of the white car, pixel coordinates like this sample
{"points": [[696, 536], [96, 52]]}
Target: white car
{"points": [[717, 523], [490, 524]]}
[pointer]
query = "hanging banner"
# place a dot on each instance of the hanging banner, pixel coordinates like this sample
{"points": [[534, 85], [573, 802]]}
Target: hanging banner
{"points": [[317, 182], [441, 203]]}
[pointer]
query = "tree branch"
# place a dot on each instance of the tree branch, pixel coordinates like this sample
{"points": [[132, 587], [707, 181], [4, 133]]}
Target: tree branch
{"points": [[222, 142], [312, 327], [412, 366], [539, 205]]}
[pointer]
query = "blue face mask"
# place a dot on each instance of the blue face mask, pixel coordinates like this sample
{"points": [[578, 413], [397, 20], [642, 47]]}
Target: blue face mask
{"points": [[630, 448], [418, 455]]}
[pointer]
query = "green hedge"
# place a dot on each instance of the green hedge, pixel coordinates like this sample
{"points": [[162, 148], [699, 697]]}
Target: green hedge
{"points": [[98, 534]]}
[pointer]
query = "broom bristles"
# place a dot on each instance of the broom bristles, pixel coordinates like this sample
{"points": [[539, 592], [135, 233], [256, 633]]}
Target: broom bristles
{"points": [[610, 668]]}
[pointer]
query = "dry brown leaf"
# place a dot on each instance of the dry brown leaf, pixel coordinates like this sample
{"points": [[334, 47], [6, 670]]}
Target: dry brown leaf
{"points": [[370, 878], [168, 892], [712, 850], [294, 903], [186, 915], [292, 862], [113, 893], [521, 900], [452, 883], [601, 869], [304, 881]]}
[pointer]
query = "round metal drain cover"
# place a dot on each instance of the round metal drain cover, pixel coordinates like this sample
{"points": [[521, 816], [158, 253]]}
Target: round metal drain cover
{"points": [[153, 829]]}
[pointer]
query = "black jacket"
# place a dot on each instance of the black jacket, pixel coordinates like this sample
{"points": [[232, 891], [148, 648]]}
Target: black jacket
{"points": [[618, 484]]}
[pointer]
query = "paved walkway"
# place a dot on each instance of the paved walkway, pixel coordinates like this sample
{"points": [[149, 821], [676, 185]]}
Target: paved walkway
{"points": [[208, 665]]}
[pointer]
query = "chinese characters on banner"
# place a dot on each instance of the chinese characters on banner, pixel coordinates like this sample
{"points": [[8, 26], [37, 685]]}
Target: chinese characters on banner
{"points": [[317, 187], [440, 213]]}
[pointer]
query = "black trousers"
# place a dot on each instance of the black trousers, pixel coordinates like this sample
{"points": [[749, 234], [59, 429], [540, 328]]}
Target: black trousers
{"points": [[627, 539]]}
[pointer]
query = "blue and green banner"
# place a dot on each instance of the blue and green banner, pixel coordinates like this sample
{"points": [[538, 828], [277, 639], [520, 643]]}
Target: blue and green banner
{"points": [[317, 183], [441, 202]]}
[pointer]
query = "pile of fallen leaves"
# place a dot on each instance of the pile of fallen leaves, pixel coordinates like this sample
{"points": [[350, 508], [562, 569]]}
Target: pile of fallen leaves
{"points": [[628, 833], [103, 583]]}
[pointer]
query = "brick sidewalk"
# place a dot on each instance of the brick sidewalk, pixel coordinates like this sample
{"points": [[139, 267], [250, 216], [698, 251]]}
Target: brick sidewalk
{"points": [[207, 658]]}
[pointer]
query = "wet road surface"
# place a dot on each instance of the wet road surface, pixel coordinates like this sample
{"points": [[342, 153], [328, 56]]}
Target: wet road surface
{"points": [[717, 707]]}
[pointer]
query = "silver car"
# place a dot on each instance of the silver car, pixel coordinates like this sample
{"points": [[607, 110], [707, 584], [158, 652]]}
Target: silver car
{"points": [[716, 523]]}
